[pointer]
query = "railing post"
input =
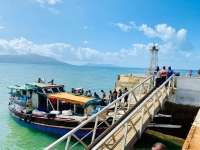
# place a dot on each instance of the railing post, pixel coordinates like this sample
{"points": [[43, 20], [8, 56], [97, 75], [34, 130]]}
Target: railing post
{"points": [[68, 142], [114, 113], [173, 84], [95, 128], [140, 92], [154, 81], [149, 85], [169, 83], [162, 96], [141, 122], [125, 135], [153, 109]]}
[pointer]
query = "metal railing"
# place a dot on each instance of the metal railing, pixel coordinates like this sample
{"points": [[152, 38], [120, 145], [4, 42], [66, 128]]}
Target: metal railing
{"points": [[134, 95], [136, 122]]}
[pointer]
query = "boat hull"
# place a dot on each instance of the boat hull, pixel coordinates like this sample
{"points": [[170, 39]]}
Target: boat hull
{"points": [[53, 126]]}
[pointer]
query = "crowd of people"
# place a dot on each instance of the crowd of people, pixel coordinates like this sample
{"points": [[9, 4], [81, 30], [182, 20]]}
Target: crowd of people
{"points": [[113, 95], [163, 75], [198, 73]]}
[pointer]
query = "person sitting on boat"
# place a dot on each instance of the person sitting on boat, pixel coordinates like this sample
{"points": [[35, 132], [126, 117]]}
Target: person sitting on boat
{"points": [[86, 93], [96, 95], [81, 91], [89, 94], [73, 90]]}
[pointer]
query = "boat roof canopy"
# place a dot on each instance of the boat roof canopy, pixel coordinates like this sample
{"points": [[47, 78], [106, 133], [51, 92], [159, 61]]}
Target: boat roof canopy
{"points": [[43, 85], [71, 98], [17, 87], [31, 86]]}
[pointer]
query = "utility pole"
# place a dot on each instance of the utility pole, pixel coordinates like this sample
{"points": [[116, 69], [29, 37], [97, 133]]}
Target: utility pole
{"points": [[153, 63]]}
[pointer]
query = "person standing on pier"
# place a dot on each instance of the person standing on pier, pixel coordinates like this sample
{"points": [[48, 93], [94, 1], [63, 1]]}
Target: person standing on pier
{"points": [[169, 72], [103, 95], [115, 94], [111, 97], [158, 77], [163, 74], [120, 93], [199, 73], [190, 73], [126, 98]]}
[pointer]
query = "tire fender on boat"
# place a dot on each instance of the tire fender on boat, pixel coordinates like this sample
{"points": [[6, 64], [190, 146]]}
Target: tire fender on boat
{"points": [[28, 119]]}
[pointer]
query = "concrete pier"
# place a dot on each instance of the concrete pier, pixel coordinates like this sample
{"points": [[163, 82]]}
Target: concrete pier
{"points": [[193, 138]]}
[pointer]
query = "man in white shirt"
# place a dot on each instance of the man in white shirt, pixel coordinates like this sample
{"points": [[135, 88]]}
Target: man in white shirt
{"points": [[158, 77]]}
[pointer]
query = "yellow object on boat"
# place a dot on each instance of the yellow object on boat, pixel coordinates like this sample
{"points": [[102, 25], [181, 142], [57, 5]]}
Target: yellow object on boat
{"points": [[68, 97]]}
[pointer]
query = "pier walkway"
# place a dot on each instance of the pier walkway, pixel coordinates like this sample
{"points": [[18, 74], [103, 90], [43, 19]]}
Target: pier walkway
{"points": [[127, 123], [192, 140]]}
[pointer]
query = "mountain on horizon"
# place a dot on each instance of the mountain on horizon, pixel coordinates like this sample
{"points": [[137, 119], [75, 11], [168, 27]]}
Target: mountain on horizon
{"points": [[30, 59], [100, 65]]}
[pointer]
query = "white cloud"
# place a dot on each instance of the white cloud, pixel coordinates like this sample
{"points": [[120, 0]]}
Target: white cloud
{"points": [[123, 27], [174, 48], [85, 42], [67, 53], [173, 41], [147, 31], [188, 55], [48, 1], [1, 27], [54, 10], [85, 27]]}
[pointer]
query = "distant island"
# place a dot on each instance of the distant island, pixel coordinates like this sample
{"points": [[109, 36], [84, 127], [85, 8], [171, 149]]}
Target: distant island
{"points": [[100, 65], [30, 59]]}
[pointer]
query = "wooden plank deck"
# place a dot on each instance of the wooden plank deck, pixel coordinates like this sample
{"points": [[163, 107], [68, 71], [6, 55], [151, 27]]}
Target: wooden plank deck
{"points": [[133, 127]]}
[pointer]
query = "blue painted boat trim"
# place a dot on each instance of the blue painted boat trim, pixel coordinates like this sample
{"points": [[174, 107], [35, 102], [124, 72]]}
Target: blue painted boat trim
{"points": [[57, 130]]}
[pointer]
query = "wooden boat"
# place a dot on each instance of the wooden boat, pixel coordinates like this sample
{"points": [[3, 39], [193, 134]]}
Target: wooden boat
{"points": [[48, 107]]}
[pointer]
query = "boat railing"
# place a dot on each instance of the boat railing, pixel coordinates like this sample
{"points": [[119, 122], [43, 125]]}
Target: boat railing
{"points": [[134, 96]]}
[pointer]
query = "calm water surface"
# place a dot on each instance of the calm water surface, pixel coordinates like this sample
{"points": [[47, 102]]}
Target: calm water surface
{"points": [[15, 136]]}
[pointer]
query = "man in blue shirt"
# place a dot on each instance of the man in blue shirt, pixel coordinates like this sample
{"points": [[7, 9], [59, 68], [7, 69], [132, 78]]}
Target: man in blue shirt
{"points": [[169, 72]]}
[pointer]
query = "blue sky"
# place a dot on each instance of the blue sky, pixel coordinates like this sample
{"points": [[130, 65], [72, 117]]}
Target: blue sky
{"points": [[117, 32]]}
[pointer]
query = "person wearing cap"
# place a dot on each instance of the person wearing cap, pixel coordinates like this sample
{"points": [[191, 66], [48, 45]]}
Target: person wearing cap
{"points": [[163, 74]]}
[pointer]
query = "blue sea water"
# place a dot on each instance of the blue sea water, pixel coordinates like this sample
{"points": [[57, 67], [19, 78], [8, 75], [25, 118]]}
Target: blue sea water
{"points": [[15, 136]]}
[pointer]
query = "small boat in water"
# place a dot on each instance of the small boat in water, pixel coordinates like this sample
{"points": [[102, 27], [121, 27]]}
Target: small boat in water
{"points": [[48, 107]]}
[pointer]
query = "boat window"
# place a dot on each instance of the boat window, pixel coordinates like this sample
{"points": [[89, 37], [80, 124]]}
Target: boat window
{"points": [[40, 91], [61, 89], [48, 90], [55, 90], [23, 92]]}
